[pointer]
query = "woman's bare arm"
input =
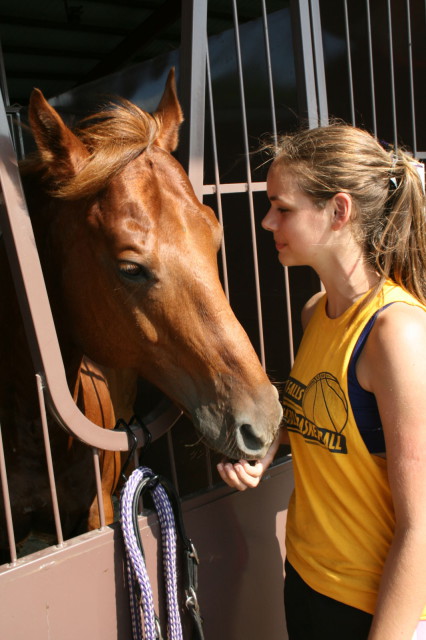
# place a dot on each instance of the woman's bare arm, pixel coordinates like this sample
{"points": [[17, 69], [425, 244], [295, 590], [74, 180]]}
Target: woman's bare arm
{"points": [[393, 367]]}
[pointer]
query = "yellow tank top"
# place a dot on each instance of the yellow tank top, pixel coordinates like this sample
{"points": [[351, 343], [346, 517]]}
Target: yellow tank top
{"points": [[340, 519]]}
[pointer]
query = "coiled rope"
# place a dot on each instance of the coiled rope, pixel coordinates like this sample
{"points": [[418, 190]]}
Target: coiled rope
{"points": [[144, 618]]}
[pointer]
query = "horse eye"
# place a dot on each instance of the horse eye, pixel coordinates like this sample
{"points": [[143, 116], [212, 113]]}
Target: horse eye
{"points": [[134, 271]]}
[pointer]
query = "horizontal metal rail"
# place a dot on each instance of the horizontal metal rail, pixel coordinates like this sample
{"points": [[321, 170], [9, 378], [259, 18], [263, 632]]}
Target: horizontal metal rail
{"points": [[235, 187]]}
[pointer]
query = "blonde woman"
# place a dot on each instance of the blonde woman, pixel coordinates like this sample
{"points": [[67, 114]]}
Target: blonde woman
{"points": [[355, 400]]}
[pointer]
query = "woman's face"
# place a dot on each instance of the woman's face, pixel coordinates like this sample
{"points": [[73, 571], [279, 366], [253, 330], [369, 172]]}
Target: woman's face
{"points": [[301, 229]]}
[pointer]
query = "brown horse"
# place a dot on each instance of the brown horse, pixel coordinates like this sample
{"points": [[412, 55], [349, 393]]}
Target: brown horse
{"points": [[129, 258]]}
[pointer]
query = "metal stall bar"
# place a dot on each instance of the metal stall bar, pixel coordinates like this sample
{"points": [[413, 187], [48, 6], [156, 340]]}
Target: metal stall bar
{"points": [[6, 502], [269, 70], [192, 82], [274, 130], [411, 76], [193, 69], [309, 59], [392, 75], [371, 68], [349, 59], [3, 81], [98, 478], [216, 177], [309, 62], [319, 63], [13, 112], [250, 191], [49, 461]]}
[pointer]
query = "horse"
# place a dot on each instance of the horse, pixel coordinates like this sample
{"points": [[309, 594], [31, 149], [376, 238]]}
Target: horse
{"points": [[129, 257]]}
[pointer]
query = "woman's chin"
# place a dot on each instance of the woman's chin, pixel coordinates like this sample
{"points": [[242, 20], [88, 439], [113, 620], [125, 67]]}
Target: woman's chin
{"points": [[285, 259]]}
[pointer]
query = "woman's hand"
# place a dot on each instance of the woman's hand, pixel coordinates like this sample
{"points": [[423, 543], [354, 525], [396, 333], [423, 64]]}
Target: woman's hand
{"points": [[243, 474]]}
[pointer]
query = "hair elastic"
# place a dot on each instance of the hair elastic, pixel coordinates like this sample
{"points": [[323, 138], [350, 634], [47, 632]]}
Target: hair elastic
{"points": [[393, 184]]}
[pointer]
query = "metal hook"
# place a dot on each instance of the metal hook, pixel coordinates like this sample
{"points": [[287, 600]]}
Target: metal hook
{"points": [[192, 600]]}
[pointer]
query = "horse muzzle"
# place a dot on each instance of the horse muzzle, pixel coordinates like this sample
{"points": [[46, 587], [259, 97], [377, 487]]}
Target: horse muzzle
{"points": [[241, 433]]}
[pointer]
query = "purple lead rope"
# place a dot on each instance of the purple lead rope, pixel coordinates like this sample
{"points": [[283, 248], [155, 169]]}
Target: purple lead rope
{"points": [[143, 614]]}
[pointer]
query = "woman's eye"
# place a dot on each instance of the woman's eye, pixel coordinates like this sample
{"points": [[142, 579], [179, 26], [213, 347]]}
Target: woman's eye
{"points": [[134, 271]]}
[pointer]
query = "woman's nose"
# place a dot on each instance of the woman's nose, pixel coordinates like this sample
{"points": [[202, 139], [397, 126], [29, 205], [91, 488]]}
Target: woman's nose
{"points": [[269, 222]]}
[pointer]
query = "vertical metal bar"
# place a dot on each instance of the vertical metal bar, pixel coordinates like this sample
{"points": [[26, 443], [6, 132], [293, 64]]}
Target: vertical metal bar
{"points": [[99, 493], [410, 65], [349, 61], [269, 70], [319, 63], [275, 134], [14, 117], [3, 80], [48, 451], [392, 74], [216, 177], [289, 315], [172, 460], [249, 184], [370, 58], [192, 81], [6, 501], [304, 61], [20, 146]]}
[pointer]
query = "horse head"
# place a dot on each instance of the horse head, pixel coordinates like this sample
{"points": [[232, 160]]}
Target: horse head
{"points": [[134, 258]]}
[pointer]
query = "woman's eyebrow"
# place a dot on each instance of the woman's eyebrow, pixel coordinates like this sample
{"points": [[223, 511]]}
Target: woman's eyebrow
{"points": [[281, 199]]}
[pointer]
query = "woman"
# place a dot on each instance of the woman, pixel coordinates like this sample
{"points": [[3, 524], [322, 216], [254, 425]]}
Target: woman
{"points": [[355, 401]]}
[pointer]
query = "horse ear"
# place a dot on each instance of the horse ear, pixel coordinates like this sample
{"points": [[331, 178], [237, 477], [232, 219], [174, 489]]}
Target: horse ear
{"points": [[170, 115], [58, 146]]}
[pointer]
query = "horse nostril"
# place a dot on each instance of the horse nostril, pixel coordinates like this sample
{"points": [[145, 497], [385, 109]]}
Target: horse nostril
{"points": [[251, 441]]}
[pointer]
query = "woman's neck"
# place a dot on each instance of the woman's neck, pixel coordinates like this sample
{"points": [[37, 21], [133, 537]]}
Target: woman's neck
{"points": [[345, 283]]}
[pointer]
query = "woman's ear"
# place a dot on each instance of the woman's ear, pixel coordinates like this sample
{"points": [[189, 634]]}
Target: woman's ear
{"points": [[342, 203]]}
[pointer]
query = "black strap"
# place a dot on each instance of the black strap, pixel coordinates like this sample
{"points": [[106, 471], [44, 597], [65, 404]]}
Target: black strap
{"points": [[191, 561], [189, 551]]}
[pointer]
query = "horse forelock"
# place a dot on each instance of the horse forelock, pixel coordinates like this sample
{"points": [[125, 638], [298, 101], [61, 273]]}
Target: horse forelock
{"points": [[113, 137]]}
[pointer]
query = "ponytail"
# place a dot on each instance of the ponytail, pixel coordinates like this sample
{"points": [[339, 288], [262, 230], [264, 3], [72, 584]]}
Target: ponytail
{"points": [[399, 251]]}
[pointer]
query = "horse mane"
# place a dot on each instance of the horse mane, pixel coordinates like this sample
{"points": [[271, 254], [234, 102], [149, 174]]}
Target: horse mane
{"points": [[113, 137]]}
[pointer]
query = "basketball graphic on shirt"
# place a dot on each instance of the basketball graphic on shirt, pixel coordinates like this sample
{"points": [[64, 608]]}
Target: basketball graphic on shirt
{"points": [[325, 404]]}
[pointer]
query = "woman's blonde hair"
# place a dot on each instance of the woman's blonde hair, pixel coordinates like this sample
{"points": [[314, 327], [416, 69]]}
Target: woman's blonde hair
{"points": [[387, 195]]}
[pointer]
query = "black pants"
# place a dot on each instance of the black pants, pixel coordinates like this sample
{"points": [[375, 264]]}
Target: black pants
{"points": [[312, 616]]}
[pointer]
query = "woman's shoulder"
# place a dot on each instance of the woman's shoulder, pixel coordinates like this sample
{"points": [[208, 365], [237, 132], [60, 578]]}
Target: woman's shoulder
{"points": [[394, 348], [309, 308], [402, 321], [397, 337]]}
